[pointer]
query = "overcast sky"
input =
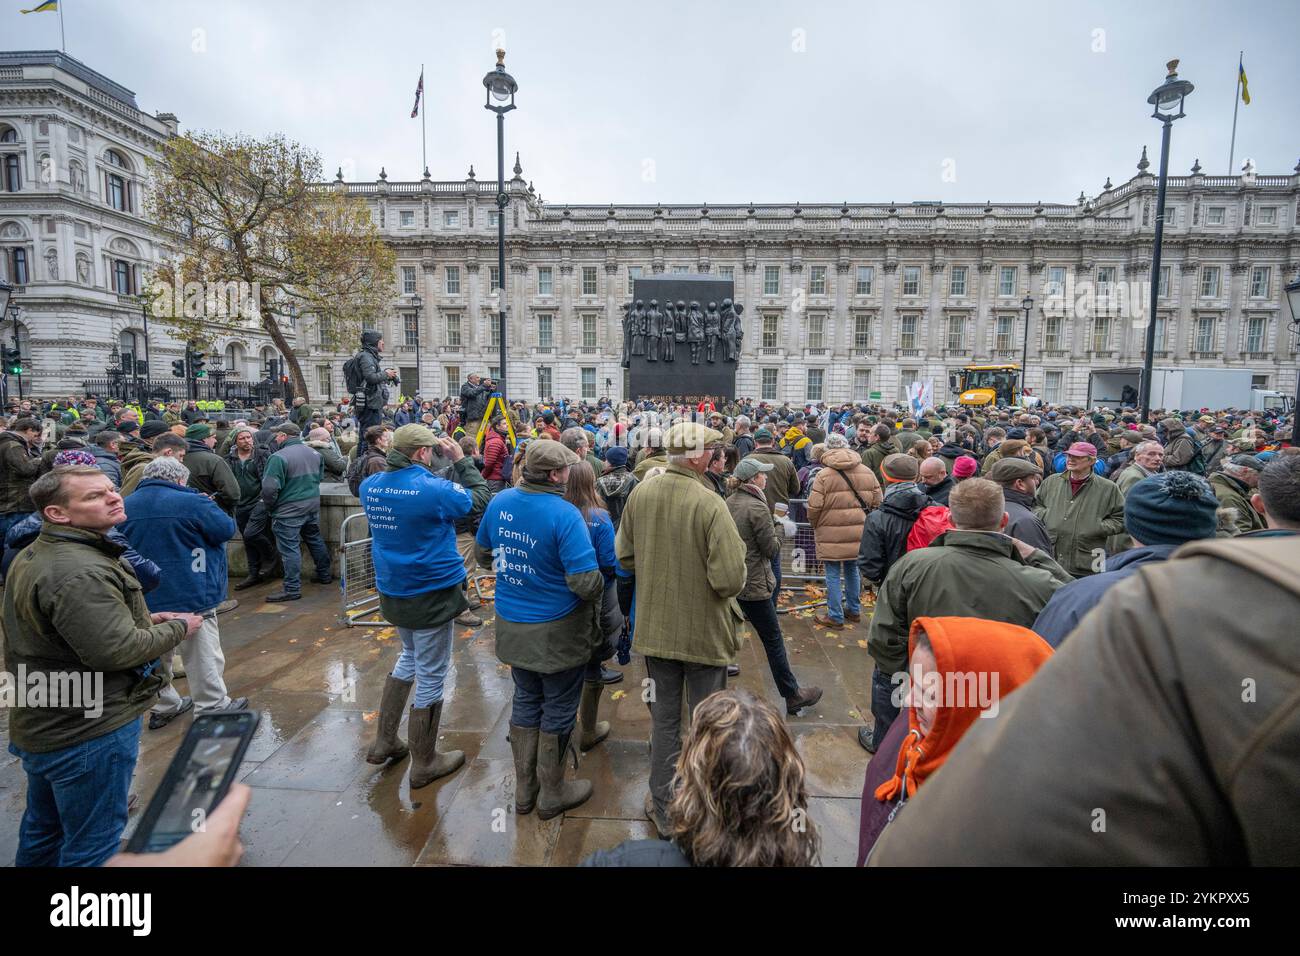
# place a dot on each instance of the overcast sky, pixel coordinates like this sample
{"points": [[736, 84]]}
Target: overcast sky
{"points": [[688, 102]]}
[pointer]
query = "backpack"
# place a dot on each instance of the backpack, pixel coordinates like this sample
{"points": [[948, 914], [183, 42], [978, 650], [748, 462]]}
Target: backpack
{"points": [[354, 473], [353, 380], [1197, 463], [933, 521], [508, 468]]}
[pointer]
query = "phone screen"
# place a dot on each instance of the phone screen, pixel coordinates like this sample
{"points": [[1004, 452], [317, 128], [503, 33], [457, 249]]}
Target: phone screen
{"points": [[198, 778]]}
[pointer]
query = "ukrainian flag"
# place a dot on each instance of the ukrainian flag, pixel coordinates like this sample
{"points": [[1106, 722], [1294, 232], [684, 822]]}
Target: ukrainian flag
{"points": [[1245, 90], [49, 6]]}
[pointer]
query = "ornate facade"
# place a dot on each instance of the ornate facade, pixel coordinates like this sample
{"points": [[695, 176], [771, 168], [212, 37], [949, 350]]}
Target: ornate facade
{"points": [[74, 237], [853, 301]]}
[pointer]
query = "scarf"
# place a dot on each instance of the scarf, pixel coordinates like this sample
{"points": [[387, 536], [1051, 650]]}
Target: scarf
{"points": [[962, 645], [542, 488]]}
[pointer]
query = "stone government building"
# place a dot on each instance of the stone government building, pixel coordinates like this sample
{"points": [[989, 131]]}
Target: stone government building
{"points": [[842, 302]]}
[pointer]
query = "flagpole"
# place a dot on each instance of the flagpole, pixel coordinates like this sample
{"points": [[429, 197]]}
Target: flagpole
{"points": [[424, 123], [63, 40], [1236, 102]]}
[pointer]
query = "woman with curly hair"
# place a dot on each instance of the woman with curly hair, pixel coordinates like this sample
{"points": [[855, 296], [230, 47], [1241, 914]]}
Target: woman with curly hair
{"points": [[739, 796]]}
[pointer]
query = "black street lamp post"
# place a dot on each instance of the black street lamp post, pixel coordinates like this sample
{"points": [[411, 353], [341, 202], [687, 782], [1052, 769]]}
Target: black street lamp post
{"points": [[144, 389], [1293, 302], [1167, 103], [417, 302], [501, 87], [6, 293], [18, 348], [1027, 303]]}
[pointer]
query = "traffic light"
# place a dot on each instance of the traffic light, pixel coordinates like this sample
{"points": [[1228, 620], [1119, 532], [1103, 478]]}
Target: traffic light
{"points": [[13, 361], [197, 363], [178, 368]]}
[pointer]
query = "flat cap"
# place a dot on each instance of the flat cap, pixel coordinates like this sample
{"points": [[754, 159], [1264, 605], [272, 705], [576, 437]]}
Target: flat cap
{"points": [[901, 467], [413, 436], [288, 428], [685, 437], [1006, 470], [546, 454]]}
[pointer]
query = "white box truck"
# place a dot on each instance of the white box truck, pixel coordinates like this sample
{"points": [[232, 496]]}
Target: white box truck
{"points": [[1176, 388]]}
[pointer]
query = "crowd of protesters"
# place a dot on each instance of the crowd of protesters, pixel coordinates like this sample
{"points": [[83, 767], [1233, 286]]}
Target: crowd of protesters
{"points": [[962, 541]]}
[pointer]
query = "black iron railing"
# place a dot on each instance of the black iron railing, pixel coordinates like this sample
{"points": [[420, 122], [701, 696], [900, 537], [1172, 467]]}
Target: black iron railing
{"points": [[231, 391]]}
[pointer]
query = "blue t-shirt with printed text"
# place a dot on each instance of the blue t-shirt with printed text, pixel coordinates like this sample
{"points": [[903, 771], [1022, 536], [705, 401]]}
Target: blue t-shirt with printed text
{"points": [[602, 539], [536, 539], [412, 515]]}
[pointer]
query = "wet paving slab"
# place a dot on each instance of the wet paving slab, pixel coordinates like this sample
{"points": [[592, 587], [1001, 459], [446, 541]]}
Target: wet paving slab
{"points": [[317, 801]]}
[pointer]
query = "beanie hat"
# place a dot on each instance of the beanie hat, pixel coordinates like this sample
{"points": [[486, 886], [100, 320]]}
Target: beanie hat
{"points": [[964, 466], [198, 432], [616, 456], [74, 456], [1172, 507], [154, 429]]}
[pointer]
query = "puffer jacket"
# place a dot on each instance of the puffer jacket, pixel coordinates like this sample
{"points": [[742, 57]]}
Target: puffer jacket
{"points": [[748, 507], [19, 467], [107, 462], [836, 515], [884, 536]]}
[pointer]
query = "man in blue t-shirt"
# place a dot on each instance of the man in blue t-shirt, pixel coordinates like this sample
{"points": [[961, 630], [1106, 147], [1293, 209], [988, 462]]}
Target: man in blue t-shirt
{"points": [[548, 594], [419, 574]]}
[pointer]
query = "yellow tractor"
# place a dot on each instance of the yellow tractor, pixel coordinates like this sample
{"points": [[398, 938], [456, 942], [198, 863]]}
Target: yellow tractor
{"points": [[987, 385]]}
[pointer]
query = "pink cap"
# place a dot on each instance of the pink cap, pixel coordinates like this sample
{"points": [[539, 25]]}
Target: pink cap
{"points": [[964, 467], [1082, 449]]}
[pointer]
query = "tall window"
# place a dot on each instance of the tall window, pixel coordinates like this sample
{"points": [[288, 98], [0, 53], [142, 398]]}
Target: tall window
{"points": [[494, 333], [862, 332], [1003, 333], [323, 380], [1101, 333], [1256, 331], [1266, 216], [451, 218], [814, 389], [1052, 388], [767, 390], [1214, 215], [588, 280], [545, 281], [453, 280], [545, 332], [861, 384], [726, 272], [633, 273], [588, 383], [905, 379], [410, 329], [1164, 282], [907, 333], [1210, 282], [817, 280], [18, 266], [957, 281], [1105, 281], [406, 218], [770, 329], [1161, 326], [494, 278], [1007, 280], [1052, 333], [408, 279], [118, 192], [453, 380], [13, 173], [1055, 285], [544, 383], [453, 329], [122, 277], [957, 333], [1259, 277], [588, 331], [866, 274], [494, 220], [816, 331], [1205, 333], [911, 280], [771, 280]]}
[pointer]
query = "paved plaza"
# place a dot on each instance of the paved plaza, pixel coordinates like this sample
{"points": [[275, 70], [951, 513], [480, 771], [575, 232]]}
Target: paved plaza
{"points": [[317, 802]]}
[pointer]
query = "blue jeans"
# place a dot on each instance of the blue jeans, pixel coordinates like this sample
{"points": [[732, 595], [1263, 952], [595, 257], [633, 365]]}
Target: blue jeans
{"points": [[883, 711], [549, 701], [288, 529], [845, 573], [425, 657], [76, 800]]}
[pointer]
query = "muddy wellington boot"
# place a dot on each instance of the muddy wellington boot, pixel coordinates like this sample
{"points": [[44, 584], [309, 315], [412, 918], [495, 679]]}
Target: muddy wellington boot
{"points": [[557, 794], [523, 744], [593, 731], [387, 745], [427, 765]]}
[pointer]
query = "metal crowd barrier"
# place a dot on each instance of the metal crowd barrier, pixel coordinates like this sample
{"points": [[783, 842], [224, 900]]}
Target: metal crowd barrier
{"points": [[360, 596], [799, 560]]}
